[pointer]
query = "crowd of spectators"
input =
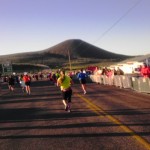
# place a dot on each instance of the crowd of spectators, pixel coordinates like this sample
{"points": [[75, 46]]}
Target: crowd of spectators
{"points": [[143, 71]]}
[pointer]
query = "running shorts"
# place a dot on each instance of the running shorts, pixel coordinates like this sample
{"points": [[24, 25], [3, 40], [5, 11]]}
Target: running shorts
{"points": [[66, 95]]}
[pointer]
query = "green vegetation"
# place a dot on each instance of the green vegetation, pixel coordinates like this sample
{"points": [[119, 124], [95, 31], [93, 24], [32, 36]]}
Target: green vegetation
{"points": [[76, 64], [85, 62], [20, 68]]}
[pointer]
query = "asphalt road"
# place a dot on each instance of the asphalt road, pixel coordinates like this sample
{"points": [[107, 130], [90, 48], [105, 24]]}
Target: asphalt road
{"points": [[106, 118]]}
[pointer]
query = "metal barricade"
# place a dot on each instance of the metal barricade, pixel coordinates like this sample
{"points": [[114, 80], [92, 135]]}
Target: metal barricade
{"points": [[144, 84], [126, 81], [92, 77], [102, 79], [135, 84], [98, 79], [111, 80], [141, 84], [106, 80], [117, 81]]}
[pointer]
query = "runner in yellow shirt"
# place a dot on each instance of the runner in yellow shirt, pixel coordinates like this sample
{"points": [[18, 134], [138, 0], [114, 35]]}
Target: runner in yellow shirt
{"points": [[65, 83]]}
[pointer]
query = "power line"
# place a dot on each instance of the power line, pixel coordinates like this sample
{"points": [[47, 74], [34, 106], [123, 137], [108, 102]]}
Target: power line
{"points": [[114, 24], [110, 28], [117, 21]]}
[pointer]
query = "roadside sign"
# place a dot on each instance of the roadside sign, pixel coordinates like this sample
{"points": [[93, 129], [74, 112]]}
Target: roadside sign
{"points": [[7, 67]]}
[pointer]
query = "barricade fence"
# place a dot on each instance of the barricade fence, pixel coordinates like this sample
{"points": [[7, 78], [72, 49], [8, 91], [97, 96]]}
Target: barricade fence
{"points": [[139, 84]]}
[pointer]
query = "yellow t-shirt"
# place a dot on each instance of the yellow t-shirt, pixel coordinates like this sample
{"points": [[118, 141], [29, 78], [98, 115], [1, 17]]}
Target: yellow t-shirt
{"points": [[66, 83]]}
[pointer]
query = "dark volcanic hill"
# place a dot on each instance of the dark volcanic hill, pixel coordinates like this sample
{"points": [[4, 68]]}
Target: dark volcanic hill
{"points": [[81, 49], [59, 53]]}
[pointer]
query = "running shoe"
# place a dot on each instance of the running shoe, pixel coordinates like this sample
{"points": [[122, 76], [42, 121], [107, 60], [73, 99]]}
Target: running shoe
{"points": [[69, 110], [84, 92]]}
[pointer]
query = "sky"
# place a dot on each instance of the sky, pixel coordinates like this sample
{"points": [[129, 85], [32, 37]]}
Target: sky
{"points": [[118, 26]]}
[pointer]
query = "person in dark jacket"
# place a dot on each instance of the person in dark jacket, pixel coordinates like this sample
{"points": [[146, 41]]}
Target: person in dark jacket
{"points": [[82, 78], [11, 83]]}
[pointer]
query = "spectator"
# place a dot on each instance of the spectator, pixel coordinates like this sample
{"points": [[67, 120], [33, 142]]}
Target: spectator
{"points": [[119, 71], [144, 71]]}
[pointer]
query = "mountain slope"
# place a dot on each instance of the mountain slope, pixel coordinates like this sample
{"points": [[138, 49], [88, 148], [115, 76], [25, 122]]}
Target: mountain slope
{"points": [[59, 53], [79, 48]]}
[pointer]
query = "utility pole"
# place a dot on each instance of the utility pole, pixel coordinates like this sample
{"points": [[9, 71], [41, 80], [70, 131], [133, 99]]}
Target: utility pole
{"points": [[69, 59]]}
